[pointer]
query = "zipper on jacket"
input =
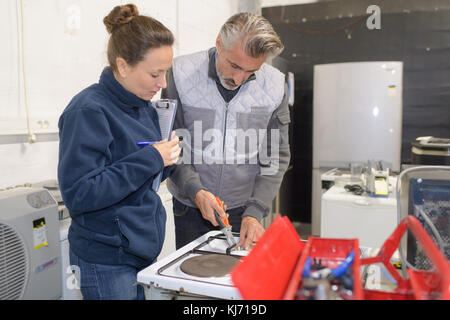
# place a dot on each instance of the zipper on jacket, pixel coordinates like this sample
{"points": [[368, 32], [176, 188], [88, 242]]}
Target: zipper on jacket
{"points": [[223, 149], [227, 104], [225, 127]]}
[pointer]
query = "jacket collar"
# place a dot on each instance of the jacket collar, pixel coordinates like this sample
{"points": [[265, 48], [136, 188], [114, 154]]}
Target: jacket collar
{"points": [[108, 80]]}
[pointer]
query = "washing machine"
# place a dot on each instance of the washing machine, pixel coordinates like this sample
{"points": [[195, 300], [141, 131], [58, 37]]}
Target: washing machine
{"points": [[370, 219]]}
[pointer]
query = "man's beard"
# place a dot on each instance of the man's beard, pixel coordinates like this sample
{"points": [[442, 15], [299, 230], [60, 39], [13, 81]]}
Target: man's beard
{"points": [[224, 83]]}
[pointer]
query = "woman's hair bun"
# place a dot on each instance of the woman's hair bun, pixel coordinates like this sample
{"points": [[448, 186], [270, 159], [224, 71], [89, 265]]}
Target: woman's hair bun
{"points": [[120, 15]]}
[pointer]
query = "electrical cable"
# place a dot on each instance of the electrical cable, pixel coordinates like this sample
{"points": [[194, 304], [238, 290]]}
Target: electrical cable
{"points": [[355, 189], [31, 136]]}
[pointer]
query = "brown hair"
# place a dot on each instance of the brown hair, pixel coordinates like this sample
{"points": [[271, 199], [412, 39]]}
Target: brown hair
{"points": [[132, 35]]}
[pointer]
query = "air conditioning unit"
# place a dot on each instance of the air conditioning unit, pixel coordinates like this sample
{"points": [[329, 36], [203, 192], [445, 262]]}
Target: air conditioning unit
{"points": [[30, 258]]}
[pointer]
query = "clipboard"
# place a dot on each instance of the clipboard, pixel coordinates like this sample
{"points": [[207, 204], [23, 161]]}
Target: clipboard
{"points": [[166, 109]]}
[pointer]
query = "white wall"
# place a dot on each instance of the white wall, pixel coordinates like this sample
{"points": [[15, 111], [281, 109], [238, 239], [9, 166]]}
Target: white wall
{"points": [[275, 3], [27, 163], [65, 51]]}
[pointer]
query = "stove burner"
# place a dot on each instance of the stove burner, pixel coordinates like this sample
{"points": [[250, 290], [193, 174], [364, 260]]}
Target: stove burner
{"points": [[209, 265]]}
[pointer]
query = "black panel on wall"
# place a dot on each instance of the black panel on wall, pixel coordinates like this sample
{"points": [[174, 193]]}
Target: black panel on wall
{"points": [[413, 31]]}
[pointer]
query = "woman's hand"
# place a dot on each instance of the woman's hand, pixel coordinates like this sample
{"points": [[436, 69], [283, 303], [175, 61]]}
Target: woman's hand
{"points": [[169, 150]]}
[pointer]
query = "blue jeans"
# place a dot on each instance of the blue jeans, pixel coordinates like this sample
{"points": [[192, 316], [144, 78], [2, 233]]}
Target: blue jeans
{"points": [[189, 222], [107, 282]]}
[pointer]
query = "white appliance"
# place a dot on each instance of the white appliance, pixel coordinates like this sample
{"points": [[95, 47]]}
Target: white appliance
{"points": [[357, 116], [166, 280], [30, 257], [371, 220], [169, 240], [69, 285]]}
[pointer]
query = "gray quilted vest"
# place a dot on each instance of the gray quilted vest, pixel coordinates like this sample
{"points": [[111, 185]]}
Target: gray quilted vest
{"points": [[222, 147]]}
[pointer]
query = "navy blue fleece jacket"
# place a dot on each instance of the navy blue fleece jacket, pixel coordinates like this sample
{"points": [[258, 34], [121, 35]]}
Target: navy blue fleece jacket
{"points": [[106, 179]]}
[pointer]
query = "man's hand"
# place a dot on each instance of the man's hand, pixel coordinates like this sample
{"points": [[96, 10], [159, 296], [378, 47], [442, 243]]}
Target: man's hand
{"points": [[251, 231], [207, 203]]}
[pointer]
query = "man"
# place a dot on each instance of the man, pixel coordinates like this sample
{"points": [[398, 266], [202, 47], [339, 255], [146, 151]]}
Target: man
{"points": [[226, 95]]}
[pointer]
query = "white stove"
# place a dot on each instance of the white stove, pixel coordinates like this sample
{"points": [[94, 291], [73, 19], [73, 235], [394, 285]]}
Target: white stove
{"points": [[165, 279]]}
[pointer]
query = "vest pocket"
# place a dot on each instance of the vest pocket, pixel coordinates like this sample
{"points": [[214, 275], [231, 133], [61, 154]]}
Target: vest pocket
{"points": [[284, 118], [251, 128], [196, 119], [193, 115], [252, 120]]}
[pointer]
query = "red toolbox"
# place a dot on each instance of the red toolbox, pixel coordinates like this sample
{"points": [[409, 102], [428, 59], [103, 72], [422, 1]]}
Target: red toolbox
{"points": [[274, 267], [331, 253], [265, 272]]}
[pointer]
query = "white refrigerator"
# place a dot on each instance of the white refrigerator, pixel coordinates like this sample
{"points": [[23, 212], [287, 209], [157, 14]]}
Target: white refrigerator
{"points": [[357, 116]]}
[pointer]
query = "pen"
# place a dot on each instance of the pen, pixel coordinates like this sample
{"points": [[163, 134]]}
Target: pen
{"points": [[145, 143]]}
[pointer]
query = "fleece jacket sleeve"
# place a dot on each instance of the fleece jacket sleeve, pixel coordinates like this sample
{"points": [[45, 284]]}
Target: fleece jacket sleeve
{"points": [[91, 180]]}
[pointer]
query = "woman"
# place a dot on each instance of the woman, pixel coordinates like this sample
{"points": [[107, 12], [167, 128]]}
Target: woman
{"points": [[118, 220]]}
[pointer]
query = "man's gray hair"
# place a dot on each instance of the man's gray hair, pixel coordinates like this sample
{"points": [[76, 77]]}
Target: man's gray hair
{"points": [[255, 31]]}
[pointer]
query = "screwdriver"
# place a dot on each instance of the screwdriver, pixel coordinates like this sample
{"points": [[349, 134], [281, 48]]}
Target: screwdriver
{"points": [[225, 226]]}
